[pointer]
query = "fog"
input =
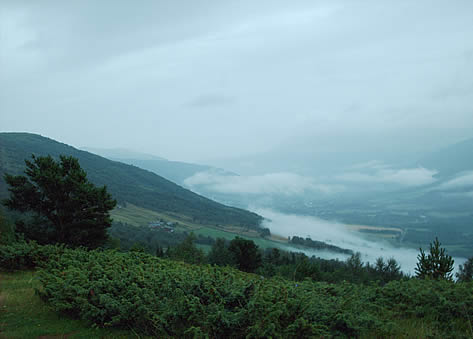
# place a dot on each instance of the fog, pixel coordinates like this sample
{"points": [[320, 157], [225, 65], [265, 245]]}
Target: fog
{"points": [[338, 234], [404, 177], [286, 184], [374, 175]]}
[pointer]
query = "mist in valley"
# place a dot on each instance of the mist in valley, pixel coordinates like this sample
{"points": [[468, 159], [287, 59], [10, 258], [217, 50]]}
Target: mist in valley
{"points": [[339, 234], [314, 114]]}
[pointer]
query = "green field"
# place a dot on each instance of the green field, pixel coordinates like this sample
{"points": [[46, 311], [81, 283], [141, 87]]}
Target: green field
{"points": [[140, 217]]}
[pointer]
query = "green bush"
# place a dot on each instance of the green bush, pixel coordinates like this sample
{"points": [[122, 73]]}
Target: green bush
{"points": [[446, 304], [28, 255], [165, 298]]}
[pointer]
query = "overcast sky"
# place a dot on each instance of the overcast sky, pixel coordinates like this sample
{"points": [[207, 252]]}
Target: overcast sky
{"points": [[195, 80]]}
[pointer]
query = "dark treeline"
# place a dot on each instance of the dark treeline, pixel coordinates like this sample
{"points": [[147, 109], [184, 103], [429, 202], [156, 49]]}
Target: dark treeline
{"points": [[318, 245], [245, 255], [270, 262], [126, 237]]}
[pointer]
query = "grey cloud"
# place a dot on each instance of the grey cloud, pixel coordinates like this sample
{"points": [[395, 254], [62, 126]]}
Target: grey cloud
{"points": [[404, 177], [282, 68], [212, 100], [271, 183], [463, 181]]}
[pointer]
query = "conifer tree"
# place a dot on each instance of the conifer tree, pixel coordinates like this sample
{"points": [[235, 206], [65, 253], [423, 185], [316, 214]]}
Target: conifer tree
{"points": [[65, 206], [465, 272], [436, 265]]}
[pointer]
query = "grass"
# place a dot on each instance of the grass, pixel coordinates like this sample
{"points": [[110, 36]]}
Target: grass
{"points": [[217, 233], [136, 216], [24, 315], [409, 329], [140, 217]]}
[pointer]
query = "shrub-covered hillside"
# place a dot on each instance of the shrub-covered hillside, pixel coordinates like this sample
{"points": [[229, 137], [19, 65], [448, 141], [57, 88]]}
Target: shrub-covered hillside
{"points": [[165, 298]]}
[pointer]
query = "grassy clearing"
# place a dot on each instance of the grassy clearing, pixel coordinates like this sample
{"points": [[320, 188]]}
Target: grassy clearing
{"points": [[136, 216], [218, 233], [24, 315], [140, 217], [408, 329]]}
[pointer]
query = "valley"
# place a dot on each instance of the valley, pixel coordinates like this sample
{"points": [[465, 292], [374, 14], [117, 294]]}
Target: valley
{"points": [[236, 169]]}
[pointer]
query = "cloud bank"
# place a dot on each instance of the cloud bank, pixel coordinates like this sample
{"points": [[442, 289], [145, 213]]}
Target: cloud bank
{"points": [[462, 181], [271, 183], [378, 173], [339, 234]]}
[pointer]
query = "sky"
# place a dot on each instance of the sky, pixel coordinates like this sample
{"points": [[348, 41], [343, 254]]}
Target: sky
{"points": [[201, 80]]}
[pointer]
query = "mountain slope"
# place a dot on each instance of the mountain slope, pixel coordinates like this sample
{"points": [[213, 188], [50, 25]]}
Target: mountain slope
{"points": [[450, 160], [125, 182], [175, 171]]}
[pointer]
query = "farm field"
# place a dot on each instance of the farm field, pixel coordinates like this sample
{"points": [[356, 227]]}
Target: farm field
{"points": [[140, 217]]}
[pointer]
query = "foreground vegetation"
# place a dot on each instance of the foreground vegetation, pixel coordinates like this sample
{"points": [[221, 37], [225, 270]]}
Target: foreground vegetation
{"points": [[161, 297], [24, 315]]}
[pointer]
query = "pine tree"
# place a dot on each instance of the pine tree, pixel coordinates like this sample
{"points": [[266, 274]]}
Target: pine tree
{"points": [[187, 251], [246, 253], [220, 254], [465, 272], [436, 265], [65, 206]]}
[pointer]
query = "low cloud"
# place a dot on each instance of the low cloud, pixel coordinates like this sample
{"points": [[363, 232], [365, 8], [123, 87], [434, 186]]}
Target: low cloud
{"points": [[340, 235], [462, 181], [378, 173], [271, 183]]}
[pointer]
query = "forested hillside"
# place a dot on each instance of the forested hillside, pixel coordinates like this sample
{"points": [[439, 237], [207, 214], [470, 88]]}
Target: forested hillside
{"points": [[172, 170], [127, 184]]}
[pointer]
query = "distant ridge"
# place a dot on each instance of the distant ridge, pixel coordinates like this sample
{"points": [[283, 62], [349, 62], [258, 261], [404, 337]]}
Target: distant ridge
{"points": [[175, 171], [451, 160], [127, 183], [121, 153]]}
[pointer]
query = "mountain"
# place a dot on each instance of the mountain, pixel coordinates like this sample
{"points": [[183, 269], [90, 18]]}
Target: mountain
{"points": [[127, 183], [450, 160], [175, 171]]}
